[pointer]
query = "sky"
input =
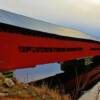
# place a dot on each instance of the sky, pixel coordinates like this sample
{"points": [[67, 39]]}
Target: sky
{"points": [[82, 15]]}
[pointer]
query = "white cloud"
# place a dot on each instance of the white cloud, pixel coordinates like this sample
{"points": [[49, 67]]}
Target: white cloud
{"points": [[80, 12]]}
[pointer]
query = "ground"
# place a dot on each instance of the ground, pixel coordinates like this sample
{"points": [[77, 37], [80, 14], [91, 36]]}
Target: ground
{"points": [[12, 89]]}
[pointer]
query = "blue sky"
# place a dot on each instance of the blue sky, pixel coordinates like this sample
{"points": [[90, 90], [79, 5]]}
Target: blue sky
{"points": [[41, 71], [82, 15]]}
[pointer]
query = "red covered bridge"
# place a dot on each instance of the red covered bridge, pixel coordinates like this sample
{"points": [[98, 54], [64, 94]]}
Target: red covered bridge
{"points": [[26, 42]]}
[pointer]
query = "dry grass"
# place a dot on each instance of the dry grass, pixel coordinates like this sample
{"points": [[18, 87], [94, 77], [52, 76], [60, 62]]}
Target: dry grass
{"points": [[21, 91], [16, 98], [37, 93], [50, 94]]}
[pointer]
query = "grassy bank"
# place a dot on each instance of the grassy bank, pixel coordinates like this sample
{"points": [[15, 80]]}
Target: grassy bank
{"points": [[12, 89]]}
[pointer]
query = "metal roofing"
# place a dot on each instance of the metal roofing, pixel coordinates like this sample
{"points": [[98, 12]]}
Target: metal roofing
{"points": [[34, 24]]}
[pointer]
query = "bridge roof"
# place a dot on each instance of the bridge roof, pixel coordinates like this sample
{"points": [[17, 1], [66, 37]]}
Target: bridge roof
{"points": [[34, 24]]}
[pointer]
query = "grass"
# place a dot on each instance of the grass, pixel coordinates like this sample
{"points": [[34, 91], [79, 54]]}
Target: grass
{"points": [[22, 91]]}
